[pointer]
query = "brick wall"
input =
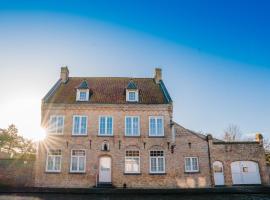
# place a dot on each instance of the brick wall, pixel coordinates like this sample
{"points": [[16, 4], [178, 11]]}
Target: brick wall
{"points": [[16, 172], [242, 151]]}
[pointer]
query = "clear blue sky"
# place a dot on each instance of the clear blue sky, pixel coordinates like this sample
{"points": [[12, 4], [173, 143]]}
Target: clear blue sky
{"points": [[214, 55]]}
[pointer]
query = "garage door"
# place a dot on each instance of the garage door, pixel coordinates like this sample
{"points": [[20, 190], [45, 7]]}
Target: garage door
{"points": [[245, 172]]}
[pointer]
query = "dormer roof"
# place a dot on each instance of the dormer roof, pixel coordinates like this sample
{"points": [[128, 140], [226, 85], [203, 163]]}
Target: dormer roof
{"points": [[131, 85], [83, 85]]}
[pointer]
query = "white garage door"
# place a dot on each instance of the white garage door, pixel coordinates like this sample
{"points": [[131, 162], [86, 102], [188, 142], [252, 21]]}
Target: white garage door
{"points": [[245, 172]]}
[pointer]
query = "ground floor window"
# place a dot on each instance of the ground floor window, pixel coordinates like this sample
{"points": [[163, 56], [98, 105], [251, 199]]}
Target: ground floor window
{"points": [[132, 162], [54, 160], [157, 162], [77, 161], [191, 164]]}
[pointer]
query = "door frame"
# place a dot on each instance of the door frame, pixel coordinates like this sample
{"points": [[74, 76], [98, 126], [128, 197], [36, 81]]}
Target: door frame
{"points": [[217, 161], [99, 160]]}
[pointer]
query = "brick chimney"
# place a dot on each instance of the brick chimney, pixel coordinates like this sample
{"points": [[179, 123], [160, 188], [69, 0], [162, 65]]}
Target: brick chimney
{"points": [[64, 74], [259, 138], [158, 75]]}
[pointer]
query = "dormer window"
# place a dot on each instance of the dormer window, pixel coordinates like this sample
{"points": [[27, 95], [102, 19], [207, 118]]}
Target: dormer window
{"points": [[82, 92], [132, 92], [132, 96]]}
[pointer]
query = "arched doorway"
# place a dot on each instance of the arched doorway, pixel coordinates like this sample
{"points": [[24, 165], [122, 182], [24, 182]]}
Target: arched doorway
{"points": [[245, 172], [105, 171], [218, 173]]}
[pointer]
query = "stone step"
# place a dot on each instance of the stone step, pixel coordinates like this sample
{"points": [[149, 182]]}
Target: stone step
{"points": [[104, 185]]}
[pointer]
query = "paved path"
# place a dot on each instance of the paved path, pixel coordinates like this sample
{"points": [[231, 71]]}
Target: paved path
{"points": [[208, 196], [221, 193]]}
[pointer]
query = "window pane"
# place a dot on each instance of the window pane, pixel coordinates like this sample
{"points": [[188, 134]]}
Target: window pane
{"points": [[50, 163], [76, 125], [136, 164], [152, 126], [109, 125], [188, 164], [83, 96], [128, 126], [57, 163], [83, 125], [74, 161], [135, 126], [102, 125], [60, 124], [153, 165], [159, 126], [194, 164], [131, 96], [160, 164], [81, 163]]}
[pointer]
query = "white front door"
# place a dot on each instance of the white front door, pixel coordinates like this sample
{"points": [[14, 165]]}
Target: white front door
{"points": [[245, 172], [105, 170], [218, 173]]}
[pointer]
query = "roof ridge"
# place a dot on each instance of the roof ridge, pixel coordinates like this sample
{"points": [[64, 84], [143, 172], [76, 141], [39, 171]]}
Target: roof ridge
{"points": [[107, 77]]}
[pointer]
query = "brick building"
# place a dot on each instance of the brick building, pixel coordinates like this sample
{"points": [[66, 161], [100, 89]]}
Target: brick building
{"points": [[104, 131]]}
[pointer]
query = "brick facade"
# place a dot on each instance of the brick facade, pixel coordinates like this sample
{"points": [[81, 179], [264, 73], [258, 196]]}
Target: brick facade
{"points": [[177, 144]]}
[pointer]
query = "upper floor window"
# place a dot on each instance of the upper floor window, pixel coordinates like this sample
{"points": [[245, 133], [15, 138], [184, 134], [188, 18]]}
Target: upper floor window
{"points": [[54, 160], [132, 162], [156, 126], [157, 162], [78, 159], [191, 164], [132, 92], [83, 91], [56, 125], [79, 125], [82, 95], [132, 126], [106, 125], [132, 96]]}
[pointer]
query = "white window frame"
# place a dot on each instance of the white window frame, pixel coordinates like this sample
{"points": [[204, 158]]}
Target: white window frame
{"points": [[71, 156], [132, 130], [164, 162], [191, 164], [73, 125], [54, 156], [156, 118], [128, 172], [136, 95], [49, 125], [78, 94], [106, 124]]}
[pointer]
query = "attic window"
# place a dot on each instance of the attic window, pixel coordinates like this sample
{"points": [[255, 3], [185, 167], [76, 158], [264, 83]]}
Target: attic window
{"points": [[82, 92], [132, 92], [132, 95]]}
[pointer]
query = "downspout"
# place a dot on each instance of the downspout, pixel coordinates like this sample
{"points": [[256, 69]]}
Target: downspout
{"points": [[209, 137]]}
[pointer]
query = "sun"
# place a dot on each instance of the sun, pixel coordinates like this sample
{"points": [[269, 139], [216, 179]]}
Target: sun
{"points": [[40, 135]]}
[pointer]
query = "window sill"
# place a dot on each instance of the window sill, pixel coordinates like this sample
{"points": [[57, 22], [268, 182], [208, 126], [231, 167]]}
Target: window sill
{"points": [[79, 135], [195, 172], [151, 136], [51, 172], [105, 135], [132, 136], [132, 174], [77, 172], [162, 173]]}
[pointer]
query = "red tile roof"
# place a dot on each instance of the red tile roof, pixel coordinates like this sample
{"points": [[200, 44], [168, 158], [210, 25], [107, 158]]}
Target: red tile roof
{"points": [[107, 90]]}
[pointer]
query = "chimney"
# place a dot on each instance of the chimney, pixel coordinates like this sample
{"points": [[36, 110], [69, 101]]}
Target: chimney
{"points": [[64, 74], [259, 138], [158, 75]]}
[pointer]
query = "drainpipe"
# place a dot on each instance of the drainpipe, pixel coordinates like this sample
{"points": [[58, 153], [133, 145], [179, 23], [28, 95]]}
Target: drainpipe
{"points": [[209, 139]]}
